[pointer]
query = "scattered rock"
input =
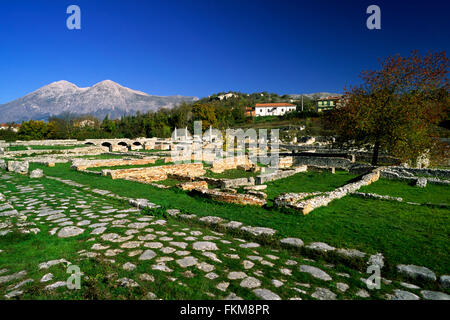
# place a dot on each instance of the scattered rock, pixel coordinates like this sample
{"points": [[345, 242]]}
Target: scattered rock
{"points": [[126, 282], [342, 286], [70, 231], [187, 262], [266, 294], [421, 182], [47, 277], [234, 275], [320, 246], [222, 286], [250, 283], [416, 272], [324, 294], [434, 295], [294, 242], [128, 266], [315, 272], [37, 173], [147, 255], [404, 295], [445, 281], [204, 246]]}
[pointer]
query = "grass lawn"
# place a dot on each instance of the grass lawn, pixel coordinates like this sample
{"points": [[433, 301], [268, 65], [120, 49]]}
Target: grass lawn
{"points": [[432, 193], [27, 251], [403, 233], [307, 182]]}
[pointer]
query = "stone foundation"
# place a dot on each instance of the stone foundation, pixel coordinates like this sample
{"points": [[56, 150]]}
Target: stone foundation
{"points": [[279, 174], [237, 198], [221, 165], [188, 186], [85, 164], [158, 173]]}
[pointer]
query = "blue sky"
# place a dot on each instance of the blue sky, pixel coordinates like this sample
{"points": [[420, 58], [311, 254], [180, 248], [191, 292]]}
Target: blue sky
{"points": [[200, 47]]}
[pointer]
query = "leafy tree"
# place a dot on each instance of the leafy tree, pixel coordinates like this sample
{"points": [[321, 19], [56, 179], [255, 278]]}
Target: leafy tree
{"points": [[205, 112], [33, 130], [396, 108]]}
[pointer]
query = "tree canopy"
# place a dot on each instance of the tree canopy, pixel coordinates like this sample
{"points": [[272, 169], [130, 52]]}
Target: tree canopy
{"points": [[396, 108]]}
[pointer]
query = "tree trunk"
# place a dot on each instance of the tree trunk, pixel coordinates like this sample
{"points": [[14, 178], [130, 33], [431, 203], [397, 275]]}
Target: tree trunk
{"points": [[376, 148]]}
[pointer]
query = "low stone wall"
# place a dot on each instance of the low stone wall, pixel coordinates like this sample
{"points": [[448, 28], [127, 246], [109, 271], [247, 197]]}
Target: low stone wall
{"points": [[81, 164], [296, 202], [66, 142], [436, 173], [327, 162], [238, 182], [69, 152], [118, 148], [221, 165], [285, 162], [158, 173], [18, 166], [188, 186], [237, 198], [279, 174]]}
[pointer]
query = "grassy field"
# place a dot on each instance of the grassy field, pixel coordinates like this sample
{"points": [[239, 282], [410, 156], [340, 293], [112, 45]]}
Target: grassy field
{"points": [[307, 182], [403, 233], [27, 251], [431, 194]]}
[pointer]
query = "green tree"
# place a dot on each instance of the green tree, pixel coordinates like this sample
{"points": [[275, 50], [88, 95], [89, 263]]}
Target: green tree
{"points": [[396, 108]]}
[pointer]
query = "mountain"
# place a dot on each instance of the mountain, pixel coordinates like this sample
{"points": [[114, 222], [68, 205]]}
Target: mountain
{"points": [[103, 98], [314, 96]]}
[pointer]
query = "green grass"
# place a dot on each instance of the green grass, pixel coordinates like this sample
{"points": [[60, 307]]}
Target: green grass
{"points": [[25, 252], [308, 182], [432, 193], [403, 233]]}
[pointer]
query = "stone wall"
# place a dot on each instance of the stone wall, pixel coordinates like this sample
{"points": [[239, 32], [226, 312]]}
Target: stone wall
{"points": [[94, 150], [158, 173], [302, 203], [238, 182], [237, 198], [279, 174], [327, 162], [81, 164], [193, 185], [18, 166], [66, 142], [286, 162], [221, 165]]}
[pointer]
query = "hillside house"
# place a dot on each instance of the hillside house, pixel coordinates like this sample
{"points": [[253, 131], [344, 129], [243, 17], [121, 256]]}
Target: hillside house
{"points": [[270, 109], [327, 103]]}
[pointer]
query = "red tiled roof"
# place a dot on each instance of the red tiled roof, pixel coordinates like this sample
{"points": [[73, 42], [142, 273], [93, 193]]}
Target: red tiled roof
{"points": [[271, 105]]}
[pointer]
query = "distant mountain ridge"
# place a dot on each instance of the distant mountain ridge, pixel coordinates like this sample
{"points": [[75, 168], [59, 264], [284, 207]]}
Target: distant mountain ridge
{"points": [[316, 95], [103, 98]]}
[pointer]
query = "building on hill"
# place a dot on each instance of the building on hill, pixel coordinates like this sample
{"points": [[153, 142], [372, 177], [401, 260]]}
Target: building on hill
{"points": [[270, 109], [327, 103], [14, 127]]}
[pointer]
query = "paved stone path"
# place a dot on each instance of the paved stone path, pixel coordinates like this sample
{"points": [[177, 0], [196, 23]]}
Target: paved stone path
{"points": [[125, 254]]}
